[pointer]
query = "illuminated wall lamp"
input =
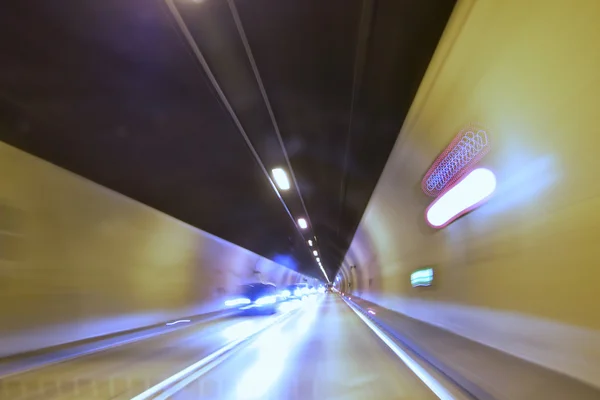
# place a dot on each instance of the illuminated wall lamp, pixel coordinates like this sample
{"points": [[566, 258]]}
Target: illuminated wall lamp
{"points": [[466, 195]]}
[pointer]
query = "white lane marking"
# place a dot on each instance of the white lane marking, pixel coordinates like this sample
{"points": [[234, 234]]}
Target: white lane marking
{"points": [[170, 392], [436, 387], [178, 322], [202, 365], [189, 370]]}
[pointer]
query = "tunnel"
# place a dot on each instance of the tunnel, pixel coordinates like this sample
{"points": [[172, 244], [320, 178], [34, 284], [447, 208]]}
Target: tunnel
{"points": [[299, 199]]}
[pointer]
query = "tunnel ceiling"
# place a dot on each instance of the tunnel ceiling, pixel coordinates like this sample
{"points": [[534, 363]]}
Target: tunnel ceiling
{"points": [[113, 90]]}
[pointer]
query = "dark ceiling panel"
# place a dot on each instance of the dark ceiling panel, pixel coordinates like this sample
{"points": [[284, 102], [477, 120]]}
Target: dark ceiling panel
{"points": [[305, 53], [113, 91], [310, 59]]}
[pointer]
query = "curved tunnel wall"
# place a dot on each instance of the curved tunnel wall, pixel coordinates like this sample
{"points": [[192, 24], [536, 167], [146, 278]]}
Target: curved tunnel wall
{"points": [[520, 273], [78, 260]]}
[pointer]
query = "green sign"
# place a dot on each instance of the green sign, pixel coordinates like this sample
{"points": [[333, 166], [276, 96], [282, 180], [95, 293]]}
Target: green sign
{"points": [[422, 277]]}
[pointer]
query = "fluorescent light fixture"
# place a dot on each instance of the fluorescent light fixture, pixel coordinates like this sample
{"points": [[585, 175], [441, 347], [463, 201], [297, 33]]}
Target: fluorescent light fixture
{"points": [[302, 223], [422, 277], [469, 193], [315, 253], [310, 243], [281, 178]]}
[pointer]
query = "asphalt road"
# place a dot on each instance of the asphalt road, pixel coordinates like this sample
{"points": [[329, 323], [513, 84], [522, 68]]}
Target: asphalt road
{"points": [[324, 352], [125, 371]]}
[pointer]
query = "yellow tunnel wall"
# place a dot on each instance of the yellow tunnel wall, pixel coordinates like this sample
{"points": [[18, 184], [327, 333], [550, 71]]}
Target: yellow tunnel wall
{"points": [[522, 272], [78, 260]]}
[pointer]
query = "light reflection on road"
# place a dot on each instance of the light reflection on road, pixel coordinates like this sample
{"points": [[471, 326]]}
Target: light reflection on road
{"points": [[273, 349]]}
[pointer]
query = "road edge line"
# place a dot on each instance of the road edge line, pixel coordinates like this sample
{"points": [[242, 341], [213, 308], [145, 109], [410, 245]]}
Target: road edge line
{"points": [[106, 347], [433, 384]]}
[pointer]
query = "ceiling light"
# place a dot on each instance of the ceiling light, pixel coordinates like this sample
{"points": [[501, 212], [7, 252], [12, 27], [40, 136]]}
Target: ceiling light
{"points": [[310, 243], [318, 260], [302, 223], [281, 178], [315, 253]]}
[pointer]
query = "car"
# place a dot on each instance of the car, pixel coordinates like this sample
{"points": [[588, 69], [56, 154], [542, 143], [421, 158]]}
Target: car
{"points": [[256, 298], [304, 289], [296, 291]]}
